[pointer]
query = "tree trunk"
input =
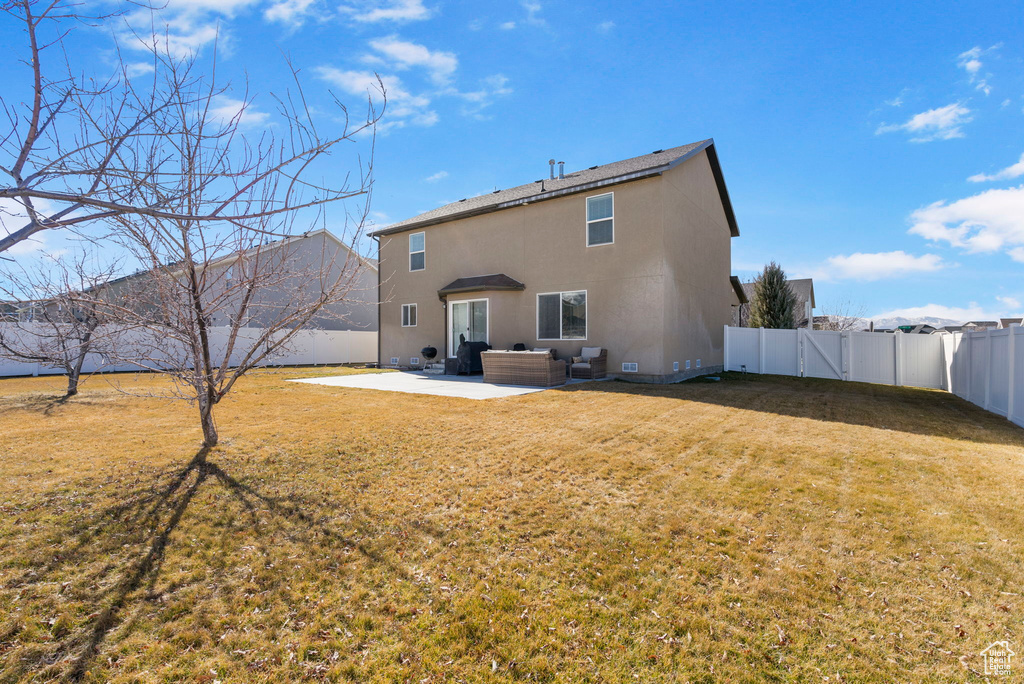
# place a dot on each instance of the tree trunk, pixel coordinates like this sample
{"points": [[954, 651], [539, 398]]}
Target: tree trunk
{"points": [[209, 427], [72, 383]]}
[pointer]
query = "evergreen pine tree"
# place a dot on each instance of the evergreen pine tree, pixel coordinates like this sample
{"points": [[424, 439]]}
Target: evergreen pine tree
{"points": [[774, 301]]}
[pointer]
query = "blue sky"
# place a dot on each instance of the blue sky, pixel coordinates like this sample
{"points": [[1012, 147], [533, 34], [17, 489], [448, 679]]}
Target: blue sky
{"points": [[877, 147]]}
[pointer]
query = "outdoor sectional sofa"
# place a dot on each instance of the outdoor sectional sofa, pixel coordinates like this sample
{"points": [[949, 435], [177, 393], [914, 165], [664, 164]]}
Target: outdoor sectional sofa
{"points": [[533, 368]]}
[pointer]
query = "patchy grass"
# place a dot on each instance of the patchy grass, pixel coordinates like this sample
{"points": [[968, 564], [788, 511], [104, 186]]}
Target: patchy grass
{"points": [[756, 529]]}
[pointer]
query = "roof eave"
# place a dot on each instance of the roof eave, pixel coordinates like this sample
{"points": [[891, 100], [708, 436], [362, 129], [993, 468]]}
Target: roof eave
{"points": [[708, 146]]}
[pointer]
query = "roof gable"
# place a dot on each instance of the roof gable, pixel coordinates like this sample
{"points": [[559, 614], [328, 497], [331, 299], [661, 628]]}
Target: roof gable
{"points": [[591, 178]]}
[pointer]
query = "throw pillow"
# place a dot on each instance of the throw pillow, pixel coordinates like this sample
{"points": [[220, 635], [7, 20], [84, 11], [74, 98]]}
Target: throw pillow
{"points": [[577, 359]]}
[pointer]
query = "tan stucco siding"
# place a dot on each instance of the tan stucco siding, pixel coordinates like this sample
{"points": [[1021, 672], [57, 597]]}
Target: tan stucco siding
{"points": [[698, 265], [542, 245]]}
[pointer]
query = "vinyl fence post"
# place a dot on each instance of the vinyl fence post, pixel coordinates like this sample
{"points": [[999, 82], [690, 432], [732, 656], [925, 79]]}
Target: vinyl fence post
{"points": [[898, 353], [844, 354], [725, 350], [988, 368], [1010, 367], [800, 332], [760, 351]]}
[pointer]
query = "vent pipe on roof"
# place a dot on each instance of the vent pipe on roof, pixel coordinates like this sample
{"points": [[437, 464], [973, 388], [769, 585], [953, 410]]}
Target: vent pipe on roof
{"points": [[561, 169], [551, 163]]}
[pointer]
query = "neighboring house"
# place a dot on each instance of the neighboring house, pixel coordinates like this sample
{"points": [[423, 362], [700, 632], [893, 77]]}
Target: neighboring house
{"points": [[300, 256], [632, 256], [949, 329], [803, 312], [1010, 322], [976, 326]]}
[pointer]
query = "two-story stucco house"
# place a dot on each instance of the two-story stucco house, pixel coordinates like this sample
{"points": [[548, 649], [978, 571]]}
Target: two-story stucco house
{"points": [[632, 256]]}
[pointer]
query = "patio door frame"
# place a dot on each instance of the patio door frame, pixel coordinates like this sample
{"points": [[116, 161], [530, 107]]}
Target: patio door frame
{"points": [[452, 339]]}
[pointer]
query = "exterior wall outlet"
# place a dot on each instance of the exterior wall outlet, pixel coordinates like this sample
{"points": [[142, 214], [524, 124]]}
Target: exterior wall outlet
{"points": [[629, 367]]}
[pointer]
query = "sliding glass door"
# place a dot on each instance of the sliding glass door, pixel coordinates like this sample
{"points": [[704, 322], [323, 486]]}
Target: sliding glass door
{"points": [[467, 318]]}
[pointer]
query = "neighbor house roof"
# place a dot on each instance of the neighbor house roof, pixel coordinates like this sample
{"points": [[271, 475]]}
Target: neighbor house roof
{"points": [[652, 164], [1008, 322], [496, 281], [803, 288]]}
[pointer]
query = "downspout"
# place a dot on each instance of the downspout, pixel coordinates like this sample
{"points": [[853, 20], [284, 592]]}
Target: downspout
{"points": [[380, 326]]}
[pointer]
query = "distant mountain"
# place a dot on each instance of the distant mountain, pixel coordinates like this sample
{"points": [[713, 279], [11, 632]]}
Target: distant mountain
{"points": [[897, 321]]}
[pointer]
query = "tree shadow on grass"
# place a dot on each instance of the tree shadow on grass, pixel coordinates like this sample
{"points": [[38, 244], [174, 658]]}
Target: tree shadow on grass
{"points": [[911, 410], [152, 516]]}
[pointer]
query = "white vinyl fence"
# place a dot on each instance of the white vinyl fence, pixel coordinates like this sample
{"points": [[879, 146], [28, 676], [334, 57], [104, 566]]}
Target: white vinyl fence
{"points": [[988, 370], [886, 358], [307, 347], [985, 368]]}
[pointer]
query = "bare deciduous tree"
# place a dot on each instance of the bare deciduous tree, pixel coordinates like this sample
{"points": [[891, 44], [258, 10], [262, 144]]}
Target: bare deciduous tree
{"points": [[81, 150], [206, 209], [57, 323], [212, 309], [839, 316]]}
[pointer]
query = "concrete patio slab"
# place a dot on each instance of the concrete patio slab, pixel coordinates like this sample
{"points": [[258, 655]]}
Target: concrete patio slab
{"points": [[416, 382]]}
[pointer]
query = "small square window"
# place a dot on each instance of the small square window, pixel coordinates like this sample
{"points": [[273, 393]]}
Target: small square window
{"points": [[600, 220], [408, 315], [417, 251]]}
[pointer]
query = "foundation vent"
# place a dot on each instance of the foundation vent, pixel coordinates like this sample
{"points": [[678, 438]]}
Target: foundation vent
{"points": [[394, 360], [629, 367]]}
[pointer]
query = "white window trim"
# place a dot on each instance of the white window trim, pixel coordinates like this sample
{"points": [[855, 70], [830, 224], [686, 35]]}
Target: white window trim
{"points": [[410, 307], [586, 316], [451, 342], [611, 218], [422, 251]]}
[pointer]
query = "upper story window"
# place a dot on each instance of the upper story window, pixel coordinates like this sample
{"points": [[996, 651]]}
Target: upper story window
{"points": [[417, 251], [408, 315], [562, 315], [600, 220]]}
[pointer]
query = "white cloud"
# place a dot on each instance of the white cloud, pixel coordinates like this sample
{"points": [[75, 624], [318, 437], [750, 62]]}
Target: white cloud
{"points": [[972, 312], [533, 9], [475, 25], [292, 13], [403, 107], [942, 123], [878, 265], [404, 54], [228, 109], [987, 222], [13, 218], [440, 175], [605, 26], [507, 26], [492, 87], [139, 69], [970, 61], [1010, 302], [1012, 171], [395, 10]]}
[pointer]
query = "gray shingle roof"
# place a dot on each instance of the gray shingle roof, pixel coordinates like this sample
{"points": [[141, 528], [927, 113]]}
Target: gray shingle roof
{"points": [[495, 281], [803, 288], [576, 181]]}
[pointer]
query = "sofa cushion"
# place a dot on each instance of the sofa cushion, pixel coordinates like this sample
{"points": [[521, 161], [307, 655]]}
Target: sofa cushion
{"points": [[581, 365], [542, 349], [590, 352]]}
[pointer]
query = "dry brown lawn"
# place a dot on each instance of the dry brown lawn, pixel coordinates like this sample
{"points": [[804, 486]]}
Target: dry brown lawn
{"points": [[756, 529]]}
